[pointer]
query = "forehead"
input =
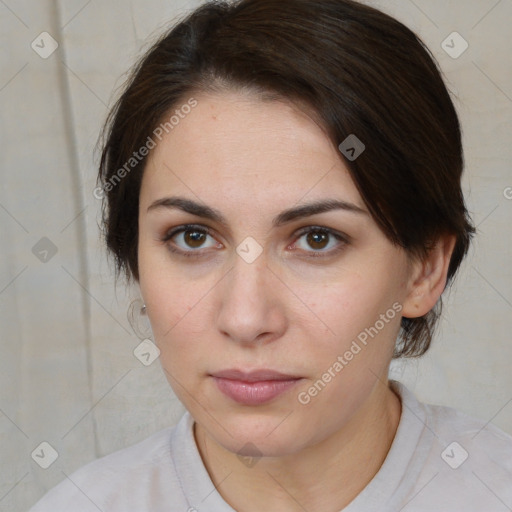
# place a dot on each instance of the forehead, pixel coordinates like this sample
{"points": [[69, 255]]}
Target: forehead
{"points": [[236, 146]]}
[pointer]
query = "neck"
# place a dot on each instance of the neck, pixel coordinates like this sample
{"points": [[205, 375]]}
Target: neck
{"points": [[326, 476]]}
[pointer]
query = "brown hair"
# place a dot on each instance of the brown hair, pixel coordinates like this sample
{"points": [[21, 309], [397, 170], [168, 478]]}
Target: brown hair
{"points": [[361, 71]]}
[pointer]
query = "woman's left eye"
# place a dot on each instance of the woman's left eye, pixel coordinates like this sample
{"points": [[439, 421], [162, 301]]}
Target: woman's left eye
{"points": [[321, 240]]}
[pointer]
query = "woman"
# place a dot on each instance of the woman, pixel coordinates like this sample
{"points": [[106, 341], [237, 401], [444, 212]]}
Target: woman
{"points": [[282, 180]]}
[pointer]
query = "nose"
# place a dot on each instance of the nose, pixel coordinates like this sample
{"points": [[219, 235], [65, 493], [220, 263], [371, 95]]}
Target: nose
{"points": [[250, 309]]}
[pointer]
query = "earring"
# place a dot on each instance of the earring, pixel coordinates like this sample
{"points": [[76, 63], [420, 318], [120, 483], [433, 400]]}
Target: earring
{"points": [[138, 319]]}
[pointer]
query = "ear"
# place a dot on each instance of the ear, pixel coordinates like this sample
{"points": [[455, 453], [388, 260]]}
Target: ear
{"points": [[427, 278]]}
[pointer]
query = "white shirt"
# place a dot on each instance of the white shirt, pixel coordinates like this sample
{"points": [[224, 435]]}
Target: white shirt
{"points": [[441, 460]]}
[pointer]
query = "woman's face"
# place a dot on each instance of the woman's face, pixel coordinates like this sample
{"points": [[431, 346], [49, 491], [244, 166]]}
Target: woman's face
{"points": [[258, 282]]}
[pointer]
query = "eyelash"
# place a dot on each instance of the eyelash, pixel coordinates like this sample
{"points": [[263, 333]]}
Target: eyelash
{"points": [[299, 234]]}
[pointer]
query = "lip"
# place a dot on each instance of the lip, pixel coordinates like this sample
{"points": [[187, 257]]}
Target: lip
{"points": [[255, 387], [254, 375]]}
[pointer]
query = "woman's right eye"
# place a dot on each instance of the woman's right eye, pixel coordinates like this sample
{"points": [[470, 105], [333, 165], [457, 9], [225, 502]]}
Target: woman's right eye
{"points": [[189, 240]]}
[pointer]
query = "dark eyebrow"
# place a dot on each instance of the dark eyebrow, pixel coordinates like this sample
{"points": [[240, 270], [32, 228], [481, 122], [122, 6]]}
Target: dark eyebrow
{"points": [[314, 208], [306, 210]]}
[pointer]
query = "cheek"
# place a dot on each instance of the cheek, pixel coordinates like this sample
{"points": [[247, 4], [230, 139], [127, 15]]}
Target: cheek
{"points": [[178, 330], [180, 316], [170, 291], [350, 339], [347, 303], [346, 363], [177, 311]]}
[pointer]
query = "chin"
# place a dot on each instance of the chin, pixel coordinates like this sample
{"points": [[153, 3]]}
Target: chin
{"points": [[257, 435]]}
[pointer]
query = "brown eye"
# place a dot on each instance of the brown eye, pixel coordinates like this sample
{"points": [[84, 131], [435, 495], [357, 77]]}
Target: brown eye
{"points": [[194, 238], [317, 239], [190, 240]]}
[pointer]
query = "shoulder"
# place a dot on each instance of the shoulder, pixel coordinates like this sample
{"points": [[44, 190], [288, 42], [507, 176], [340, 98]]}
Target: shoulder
{"points": [[481, 440], [465, 461], [448, 424], [475, 461], [125, 478]]}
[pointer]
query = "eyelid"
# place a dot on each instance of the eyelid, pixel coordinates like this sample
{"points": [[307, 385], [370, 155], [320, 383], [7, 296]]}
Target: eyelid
{"points": [[302, 231], [185, 227], [342, 238], [182, 228]]}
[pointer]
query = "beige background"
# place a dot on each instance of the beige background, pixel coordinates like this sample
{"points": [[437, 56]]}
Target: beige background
{"points": [[68, 375]]}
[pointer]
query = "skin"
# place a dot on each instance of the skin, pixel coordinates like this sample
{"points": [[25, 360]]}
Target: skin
{"points": [[287, 310]]}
